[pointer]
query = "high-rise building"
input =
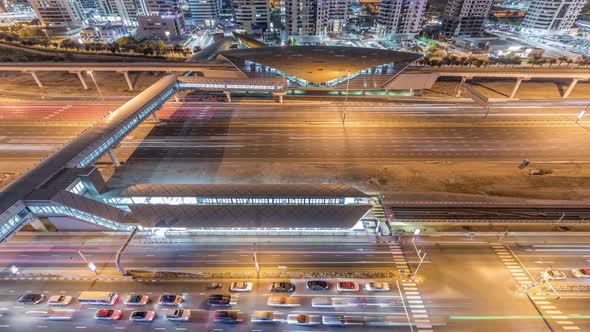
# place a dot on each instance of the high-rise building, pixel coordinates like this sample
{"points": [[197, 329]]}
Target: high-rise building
{"points": [[205, 12], [306, 20], [163, 6], [338, 15], [252, 14], [552, 16], [465, 17], [163, 20], [125, 11], [400, 19], [59, 13]]}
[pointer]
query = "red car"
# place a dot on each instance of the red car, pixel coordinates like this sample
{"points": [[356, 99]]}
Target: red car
{"points": [[107, 314]]}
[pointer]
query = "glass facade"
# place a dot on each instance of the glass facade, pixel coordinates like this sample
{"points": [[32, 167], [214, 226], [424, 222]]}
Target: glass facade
{"points": [[127, 126], [159, 200], [14, 223], [61, 210]]}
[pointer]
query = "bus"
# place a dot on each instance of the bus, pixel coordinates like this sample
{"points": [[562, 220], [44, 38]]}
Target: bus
{"points": [[100, 298]]}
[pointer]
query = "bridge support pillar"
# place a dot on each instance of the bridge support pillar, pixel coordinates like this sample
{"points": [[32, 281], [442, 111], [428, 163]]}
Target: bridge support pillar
{"points": [[81, 78], [570, 88], [129, 83], [114, 158], [34, 74], [516, 86], [38, 225], [280, 95], [155, 116], [460, 86], [227, 95]]}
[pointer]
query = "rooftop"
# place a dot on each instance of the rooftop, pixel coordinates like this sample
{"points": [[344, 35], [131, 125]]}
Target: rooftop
{"points": [[320, 63]]}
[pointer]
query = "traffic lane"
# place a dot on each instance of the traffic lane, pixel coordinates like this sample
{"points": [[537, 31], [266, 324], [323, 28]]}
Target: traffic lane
{"points": [[575, 310], [563, 257], [195, 293], [469, 286]]}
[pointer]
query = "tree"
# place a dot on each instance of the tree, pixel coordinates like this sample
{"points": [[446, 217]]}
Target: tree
{"points": [[562, 59], [536, 58], [551, 61]]}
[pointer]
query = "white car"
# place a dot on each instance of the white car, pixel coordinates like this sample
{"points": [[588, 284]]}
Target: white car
{"points": [[267, 317], [241, 286], [581, 273], [59, 300], [553, 275], [374, 286], [283, 301], [177, 314], [304, 320], [347, 286]]}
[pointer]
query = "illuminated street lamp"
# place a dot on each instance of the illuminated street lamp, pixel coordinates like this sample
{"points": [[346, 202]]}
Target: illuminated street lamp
{"points": [[91, 265], [167, 36], [14, 269]]}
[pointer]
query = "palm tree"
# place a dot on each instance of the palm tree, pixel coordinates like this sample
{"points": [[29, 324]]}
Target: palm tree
{"points": [[562, 59], [551, 61], [536, 58]]}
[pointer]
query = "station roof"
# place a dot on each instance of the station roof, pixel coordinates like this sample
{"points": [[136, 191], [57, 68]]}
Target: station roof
{"points": [[239, 190], [249, 216], [320, 63]]}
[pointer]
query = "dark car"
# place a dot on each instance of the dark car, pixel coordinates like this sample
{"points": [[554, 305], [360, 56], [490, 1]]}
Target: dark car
{"points": [[317, 285], [282, 287], [221, 300], [170, 299], [228, 316], [30, 298]]}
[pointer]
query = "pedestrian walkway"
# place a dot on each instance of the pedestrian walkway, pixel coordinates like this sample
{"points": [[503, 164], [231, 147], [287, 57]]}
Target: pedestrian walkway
{"points": [[545, 305], [417, 312]]}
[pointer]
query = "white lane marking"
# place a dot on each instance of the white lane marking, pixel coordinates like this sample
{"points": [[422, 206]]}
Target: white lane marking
{"points": [[419, 311], [4, 325], [404, 304], [543, 302], [420, 316], [416, 301], [571, 328], [559, 317], [564, 322], [548, 307], [42, 326], [554, 312], [159, 328], [119, 327], [181, 329], [538, 297], [80, 327]]}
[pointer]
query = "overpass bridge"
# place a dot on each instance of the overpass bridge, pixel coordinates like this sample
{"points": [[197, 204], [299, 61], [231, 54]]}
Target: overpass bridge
{"points": [[429, 75], [209, 68], [50, 188]]}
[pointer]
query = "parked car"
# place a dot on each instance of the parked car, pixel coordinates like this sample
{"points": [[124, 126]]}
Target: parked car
{"points": [[374, 286], [228, 316], [31, 298], [347, 286], [282, 287], [108, 314], [142, 316], [177, 314], [136, 299], [214, 285], [241, 286], [59, 300], [170, 299], [317, 285], [304, 320]]}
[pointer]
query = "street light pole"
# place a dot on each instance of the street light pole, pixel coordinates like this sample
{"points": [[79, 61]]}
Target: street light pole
{"points": [[90, 265], [582, 114], [98, 88], [256, 265], [346, 97], [421, 256]]}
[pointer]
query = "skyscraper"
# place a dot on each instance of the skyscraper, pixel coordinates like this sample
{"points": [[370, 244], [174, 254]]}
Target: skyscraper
{"points": [[59, 13], [465, 17], [307, 20], [338, 15], [125, 10], [205, 12], [400, 19], [552, 15], [252, 14]]}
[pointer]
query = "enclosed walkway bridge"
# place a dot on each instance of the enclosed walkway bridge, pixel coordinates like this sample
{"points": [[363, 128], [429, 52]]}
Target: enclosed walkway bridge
{"points": [[37, 193]]}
